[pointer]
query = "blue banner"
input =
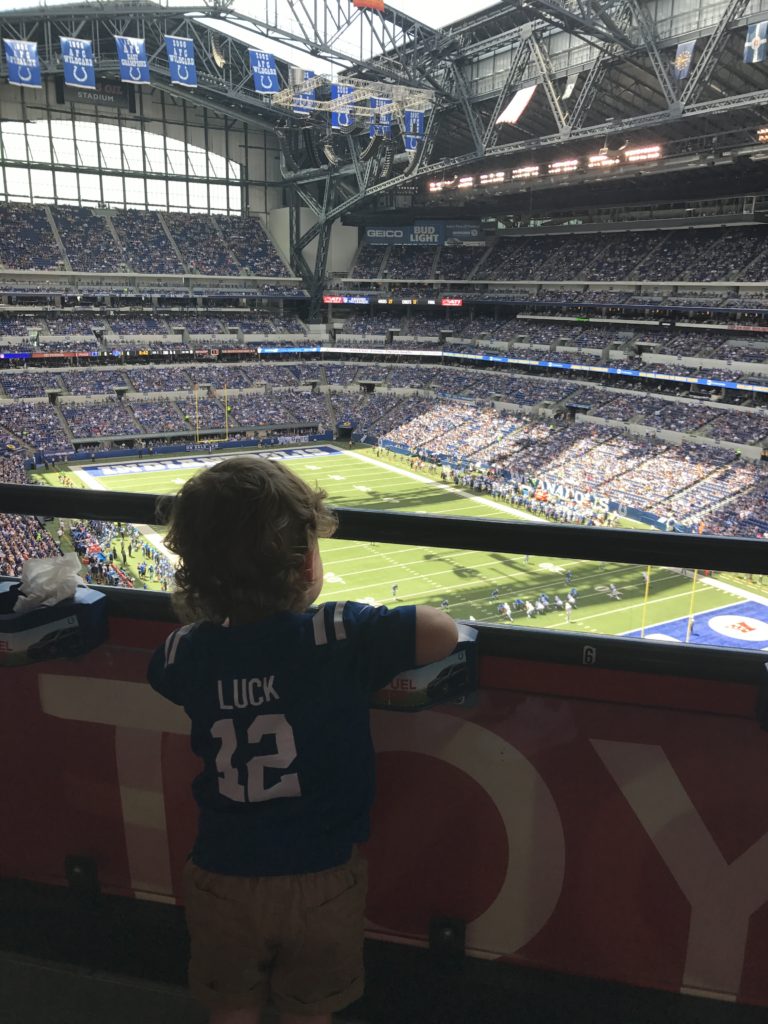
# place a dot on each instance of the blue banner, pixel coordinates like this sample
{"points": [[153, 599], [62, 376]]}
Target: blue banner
{"points": [[343, 116], [181, 60], [300, 105], [132, 57], [381, 120], [264, 71], [23, 63], [414, 129], [77, 58], [683, 59], [755, 46]]}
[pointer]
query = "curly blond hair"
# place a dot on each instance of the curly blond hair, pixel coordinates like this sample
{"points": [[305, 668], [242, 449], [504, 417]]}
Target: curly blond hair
{"points": [[242, 530]]}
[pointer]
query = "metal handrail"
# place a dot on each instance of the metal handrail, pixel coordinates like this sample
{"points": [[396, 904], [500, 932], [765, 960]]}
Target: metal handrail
{"points": [[638, 547]]}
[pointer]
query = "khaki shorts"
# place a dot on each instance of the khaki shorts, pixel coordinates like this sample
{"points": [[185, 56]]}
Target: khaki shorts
{"points": [[294, 940]]}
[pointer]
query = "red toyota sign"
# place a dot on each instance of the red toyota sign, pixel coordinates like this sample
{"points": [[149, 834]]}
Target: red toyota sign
{"points": [[451, 302], [333, 300]]}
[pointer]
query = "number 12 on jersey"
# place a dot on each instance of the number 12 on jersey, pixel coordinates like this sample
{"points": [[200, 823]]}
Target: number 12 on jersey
{"points": [[254, 790]]}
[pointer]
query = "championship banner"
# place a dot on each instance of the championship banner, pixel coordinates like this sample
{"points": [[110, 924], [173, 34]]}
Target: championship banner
{"points": [[754, 47], [683, 60], [23, 63], [343, 117], [414, 129], [264, 71], [181, 60], [132, 58], [381, 122], [77, 58], [300, 105]]}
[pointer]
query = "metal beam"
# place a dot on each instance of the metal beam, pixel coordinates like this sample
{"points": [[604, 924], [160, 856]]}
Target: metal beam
{"points": [[650, 39], [470, 115], [547, 77], [705, 65], [519, 61]]}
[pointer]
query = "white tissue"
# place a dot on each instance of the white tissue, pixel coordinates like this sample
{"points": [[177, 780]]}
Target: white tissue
{"points": [[46, 581]]}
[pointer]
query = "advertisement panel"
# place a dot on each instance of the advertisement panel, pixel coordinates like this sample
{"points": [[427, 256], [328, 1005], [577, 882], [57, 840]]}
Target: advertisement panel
{"points": [[601, 821], [463, 231], [426, 232]]}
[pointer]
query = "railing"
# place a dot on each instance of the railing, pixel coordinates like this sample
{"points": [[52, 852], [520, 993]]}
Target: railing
{"points": [[588, 543]]}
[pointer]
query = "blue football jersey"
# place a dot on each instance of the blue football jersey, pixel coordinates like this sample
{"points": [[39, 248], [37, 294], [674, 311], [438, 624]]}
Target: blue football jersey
{"points": [[279, 714]]}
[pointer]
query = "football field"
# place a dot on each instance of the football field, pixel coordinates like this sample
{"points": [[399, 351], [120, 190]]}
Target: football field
{"points": [[361, 571]]}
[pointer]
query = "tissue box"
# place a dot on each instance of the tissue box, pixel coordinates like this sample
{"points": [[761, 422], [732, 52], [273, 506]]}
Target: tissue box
{"points": [[63, 630], [453, 679]]}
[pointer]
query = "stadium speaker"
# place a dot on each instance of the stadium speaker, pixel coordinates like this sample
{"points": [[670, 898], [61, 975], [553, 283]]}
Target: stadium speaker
{"points": [[371, 149], [58, 83]]}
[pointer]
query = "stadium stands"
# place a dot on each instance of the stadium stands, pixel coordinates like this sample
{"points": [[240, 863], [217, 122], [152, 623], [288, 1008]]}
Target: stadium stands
{"points": [[87, 241], [108, 418], [458, 262], [251, 247], [410, 262], [201, 244], [26, 239], [147, 247], [368, 262]]}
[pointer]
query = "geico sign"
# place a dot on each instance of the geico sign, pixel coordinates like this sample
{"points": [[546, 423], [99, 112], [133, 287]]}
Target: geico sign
{"points": [[385, 233]]}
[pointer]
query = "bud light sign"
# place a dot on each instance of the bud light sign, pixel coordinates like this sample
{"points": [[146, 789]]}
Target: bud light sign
{"points": [[420, 233]]}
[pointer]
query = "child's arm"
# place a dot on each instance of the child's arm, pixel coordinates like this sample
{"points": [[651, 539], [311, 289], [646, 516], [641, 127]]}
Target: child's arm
{"points": [[436, 634]]}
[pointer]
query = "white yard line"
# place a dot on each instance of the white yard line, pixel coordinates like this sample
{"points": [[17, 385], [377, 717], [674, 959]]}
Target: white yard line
{"points": [[729, 588], [513, 512]]}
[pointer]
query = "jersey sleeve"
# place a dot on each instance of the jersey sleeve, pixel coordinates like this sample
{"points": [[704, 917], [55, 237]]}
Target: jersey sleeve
{"points": [[384, 639], [169, 666]]}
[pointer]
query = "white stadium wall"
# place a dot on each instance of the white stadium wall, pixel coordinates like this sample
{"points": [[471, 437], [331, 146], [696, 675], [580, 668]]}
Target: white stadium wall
{"points": [[343, 244]]}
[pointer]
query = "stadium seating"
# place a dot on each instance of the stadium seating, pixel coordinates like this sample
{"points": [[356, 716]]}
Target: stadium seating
{"points": [[26, 239], [36, 425], [201, 244], [94, 420], [458, 262], [410, 262], [147, 247], [251, 247], [88, 243], [21, 537], [368, 262]]}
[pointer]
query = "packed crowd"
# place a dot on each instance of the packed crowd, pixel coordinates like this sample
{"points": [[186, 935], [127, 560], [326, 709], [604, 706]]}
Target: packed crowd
{"points": [[251, 247], [410, 262], [147, 247], [201, 244], [87, 241], [26, 239], [21, 537]]}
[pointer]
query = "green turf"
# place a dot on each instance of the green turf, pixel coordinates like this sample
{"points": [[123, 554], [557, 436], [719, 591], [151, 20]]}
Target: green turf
{"points": [[364, 572]]}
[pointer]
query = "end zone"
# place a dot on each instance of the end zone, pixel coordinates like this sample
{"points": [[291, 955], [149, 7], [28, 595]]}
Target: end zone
{"points": [[200, 461], [743, 625]]}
